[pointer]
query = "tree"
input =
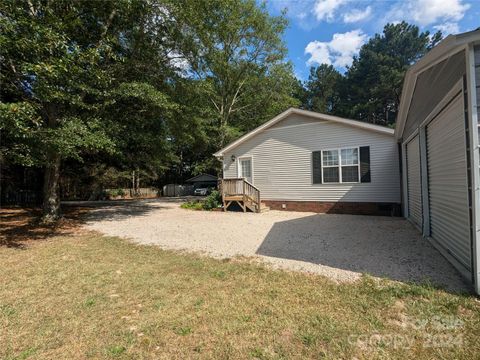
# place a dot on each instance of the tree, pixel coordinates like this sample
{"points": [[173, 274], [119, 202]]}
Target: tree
{"points": [[374, 81], [235, 47], [137, 86], [60, 74], [323, 89]]}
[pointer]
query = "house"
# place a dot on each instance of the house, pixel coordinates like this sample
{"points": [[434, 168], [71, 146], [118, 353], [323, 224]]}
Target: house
{"points": [[306, 161], [203, 181], [302, 160], [437, 128]]}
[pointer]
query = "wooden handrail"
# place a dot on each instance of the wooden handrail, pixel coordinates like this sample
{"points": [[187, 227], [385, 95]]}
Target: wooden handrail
{"points": [[241, 188]]}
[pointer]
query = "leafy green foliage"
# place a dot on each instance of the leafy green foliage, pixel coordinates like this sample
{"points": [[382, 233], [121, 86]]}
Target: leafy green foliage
{"points": [[236, 54], [212, 201], [153, 87], [370, 89], [193, 205], [112, 193], [323, 89], [52, 84], [93, 92], [374, 81]]}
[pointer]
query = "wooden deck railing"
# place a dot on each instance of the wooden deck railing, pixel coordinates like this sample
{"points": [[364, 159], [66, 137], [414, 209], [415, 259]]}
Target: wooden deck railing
{"points": [[239, 189], [232, 187]]}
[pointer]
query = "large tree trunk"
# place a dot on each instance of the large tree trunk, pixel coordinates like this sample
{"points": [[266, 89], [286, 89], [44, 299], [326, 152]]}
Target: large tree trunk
{"points": [[137, 185], [51, 198], [132, 192]]}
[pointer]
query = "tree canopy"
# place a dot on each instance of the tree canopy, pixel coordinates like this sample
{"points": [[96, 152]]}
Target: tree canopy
{"points": [[148, 86], [323, 89], [371, 87], [105, 93]]}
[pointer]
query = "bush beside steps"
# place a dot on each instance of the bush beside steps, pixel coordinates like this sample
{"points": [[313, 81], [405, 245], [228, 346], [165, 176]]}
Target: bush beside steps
{"points": [[212, 201]]}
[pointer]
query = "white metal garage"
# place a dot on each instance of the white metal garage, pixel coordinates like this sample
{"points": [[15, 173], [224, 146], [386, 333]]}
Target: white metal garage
{"points": [[414, 197], [437, 127], [447, 181]]}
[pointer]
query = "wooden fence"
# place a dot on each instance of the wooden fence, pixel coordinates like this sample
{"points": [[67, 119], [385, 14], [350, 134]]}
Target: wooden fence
{"points": [[21, 198], [132, 193]]}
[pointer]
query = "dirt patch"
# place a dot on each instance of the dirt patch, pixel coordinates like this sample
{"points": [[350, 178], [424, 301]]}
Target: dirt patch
{"points": [[20, 227]]}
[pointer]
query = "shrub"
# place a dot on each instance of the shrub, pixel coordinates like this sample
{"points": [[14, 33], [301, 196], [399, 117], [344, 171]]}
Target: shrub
{"points": [[115, 193], [212, 201], [98, 194]]}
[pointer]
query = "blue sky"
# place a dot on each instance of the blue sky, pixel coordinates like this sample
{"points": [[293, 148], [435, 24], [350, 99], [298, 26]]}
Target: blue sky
{"points": [[332, 31]]}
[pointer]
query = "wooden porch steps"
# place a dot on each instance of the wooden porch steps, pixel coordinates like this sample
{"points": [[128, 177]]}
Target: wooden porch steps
{"points": [[264, 208], [241, 192]]}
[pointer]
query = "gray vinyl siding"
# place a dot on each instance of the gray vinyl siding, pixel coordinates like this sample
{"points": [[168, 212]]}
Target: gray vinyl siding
{"points": [[431, 87], [282, 162]]}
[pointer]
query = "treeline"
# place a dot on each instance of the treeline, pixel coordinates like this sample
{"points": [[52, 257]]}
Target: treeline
{"points": [[370, 89], [93, 92]]}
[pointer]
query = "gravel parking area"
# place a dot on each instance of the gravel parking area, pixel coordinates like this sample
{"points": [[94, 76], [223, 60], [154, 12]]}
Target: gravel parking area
{"points": [[341, 247]]}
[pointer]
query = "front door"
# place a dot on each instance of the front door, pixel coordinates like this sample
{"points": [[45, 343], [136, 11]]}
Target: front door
{"points": [[245, 169]]}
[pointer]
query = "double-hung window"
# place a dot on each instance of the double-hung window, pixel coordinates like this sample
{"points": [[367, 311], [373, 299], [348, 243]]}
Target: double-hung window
{"points": [[341, 166]]}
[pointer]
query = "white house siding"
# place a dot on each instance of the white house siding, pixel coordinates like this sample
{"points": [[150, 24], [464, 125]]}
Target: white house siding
{"points": [[282, 162]]}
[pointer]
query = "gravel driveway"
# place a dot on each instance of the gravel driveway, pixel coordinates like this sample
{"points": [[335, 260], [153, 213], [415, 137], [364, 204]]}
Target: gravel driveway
{"points": [[341, 247]]}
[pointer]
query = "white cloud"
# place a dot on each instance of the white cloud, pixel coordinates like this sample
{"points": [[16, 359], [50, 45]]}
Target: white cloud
{"points": [[178, 61], [302, 15], [326, 9], [448, 28], [427, 12], [319, 53], [339, 51], [357, 15]]}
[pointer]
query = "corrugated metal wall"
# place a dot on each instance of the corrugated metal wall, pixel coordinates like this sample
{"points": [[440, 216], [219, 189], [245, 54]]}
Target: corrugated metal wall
{"points": [[443, 153], [447, 182], [282, 156], [477, 75], [414, 183]]}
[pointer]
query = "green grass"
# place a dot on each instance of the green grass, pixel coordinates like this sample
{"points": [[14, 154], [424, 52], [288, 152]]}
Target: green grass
{"points": [[96, 297], [193, 205]]}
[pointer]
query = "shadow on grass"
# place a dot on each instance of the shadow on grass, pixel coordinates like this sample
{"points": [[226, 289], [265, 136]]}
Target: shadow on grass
{"points": [[18, 226], [22, 225], [117, 209]]}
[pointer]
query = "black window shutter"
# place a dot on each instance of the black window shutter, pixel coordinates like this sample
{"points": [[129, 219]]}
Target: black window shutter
{"points": [[317, 167], [365, 164]]}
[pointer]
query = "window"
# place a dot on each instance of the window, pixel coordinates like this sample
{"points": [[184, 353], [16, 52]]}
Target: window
{"points": [[340, 166]]}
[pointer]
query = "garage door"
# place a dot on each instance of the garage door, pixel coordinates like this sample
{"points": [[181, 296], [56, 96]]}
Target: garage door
{"points": [[447, 182], [414, 182]]}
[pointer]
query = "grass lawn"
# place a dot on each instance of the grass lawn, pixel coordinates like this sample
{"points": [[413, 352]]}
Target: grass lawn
{"points": [[83, 295]]}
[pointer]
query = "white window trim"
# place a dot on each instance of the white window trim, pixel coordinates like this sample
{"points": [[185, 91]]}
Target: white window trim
{"points": [[339, 166], [239, 162]]}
